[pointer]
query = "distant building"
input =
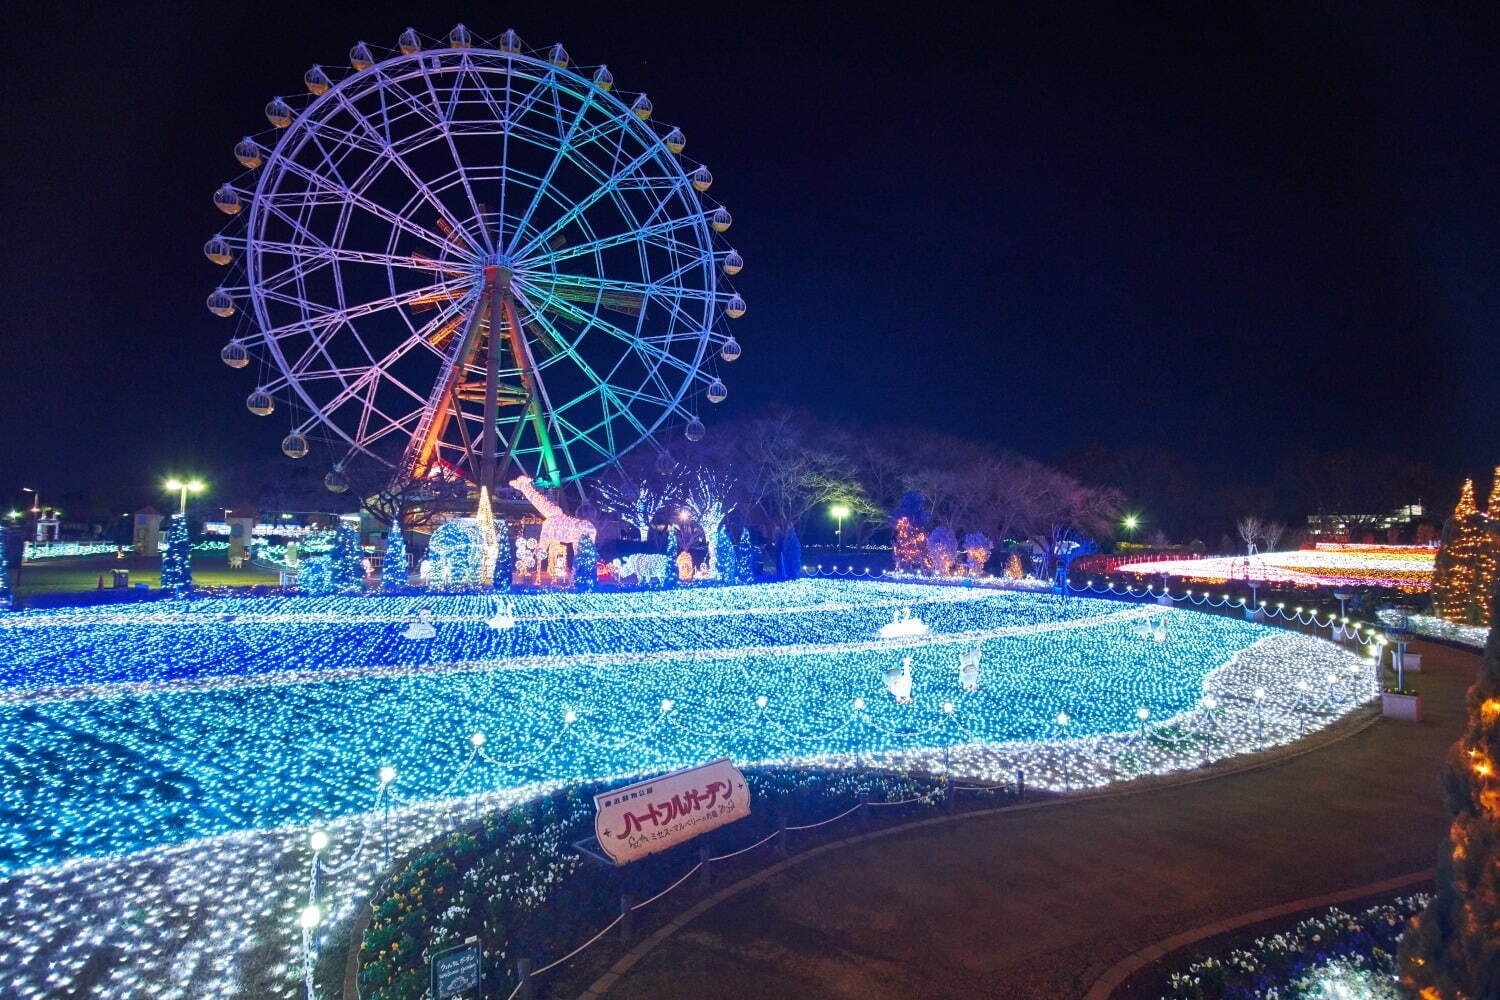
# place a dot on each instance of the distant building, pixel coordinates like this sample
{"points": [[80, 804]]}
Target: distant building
{"points": [[1342, 525]]}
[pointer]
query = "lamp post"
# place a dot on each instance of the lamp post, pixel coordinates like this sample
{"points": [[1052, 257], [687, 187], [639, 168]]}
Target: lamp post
{"points": [[183, 488], [36, 499], [840, 511]]}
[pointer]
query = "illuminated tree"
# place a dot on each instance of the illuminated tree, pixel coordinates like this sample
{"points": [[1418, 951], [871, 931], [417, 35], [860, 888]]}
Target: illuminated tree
{"points": [[393, 570], [505, 557], [315, 576], [1464, 570], [1013, 568], [745, 558], [586, 565], [485, 514], [670, 580], [977, 549], [791, 555], [640, 495], [723, 556], [942, 550], [1251, 528], [1450, 950], [177, 561], [6, 595], [706, 498], [347, 559], [909, 540]]}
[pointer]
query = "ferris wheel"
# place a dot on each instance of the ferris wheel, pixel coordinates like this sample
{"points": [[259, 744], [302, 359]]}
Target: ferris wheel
{"points": [[466, 256]]}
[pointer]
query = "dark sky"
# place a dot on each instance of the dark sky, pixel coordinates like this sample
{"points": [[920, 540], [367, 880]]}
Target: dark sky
{"points": [[1235, 230]]}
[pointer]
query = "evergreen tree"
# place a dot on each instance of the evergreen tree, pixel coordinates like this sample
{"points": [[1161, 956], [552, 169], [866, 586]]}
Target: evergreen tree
{"points": [[586, 565], [1449, 950], [791, 555], [177, 561], [670, 580], [315, 576], [745, 558], [1465, 568], [346, 562], [909, 533], [7, 597], [724, 560], [505, 556], [394, 574]]}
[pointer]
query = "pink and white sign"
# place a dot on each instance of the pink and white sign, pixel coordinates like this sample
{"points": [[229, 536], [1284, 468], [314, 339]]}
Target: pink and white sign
{"points": [[650, 816]]}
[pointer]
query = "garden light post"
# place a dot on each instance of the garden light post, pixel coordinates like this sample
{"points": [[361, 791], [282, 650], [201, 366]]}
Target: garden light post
{"points": [[840, 511], [387, 776], [183, 488]]}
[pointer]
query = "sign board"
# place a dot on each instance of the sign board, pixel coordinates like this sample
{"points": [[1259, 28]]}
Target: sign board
{"points": [[458, 971], [650, 816]]}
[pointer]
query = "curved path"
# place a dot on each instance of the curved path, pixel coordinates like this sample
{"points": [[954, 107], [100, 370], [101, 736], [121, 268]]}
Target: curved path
{"points": [[1042, 902]]}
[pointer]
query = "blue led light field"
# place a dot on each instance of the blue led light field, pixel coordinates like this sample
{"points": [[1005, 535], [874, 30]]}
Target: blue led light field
{"points": [[226, 737]]}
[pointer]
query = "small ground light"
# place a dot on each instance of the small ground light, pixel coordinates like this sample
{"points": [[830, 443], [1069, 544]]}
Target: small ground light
{"points": [[859, 704], [761, 701], [570, 717], [318, 841], [477, 739], [1210, 702], [310, 917], [666, 704], [1143, 713], [1259, 693], [387, 774], [1062, 718], [948, 707]]}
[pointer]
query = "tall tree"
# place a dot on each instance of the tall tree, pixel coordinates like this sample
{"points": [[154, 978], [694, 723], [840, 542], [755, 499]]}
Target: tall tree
{"points": [[394, 573], [1450, 950], [745, 558], [177, 561], [791, 555]]}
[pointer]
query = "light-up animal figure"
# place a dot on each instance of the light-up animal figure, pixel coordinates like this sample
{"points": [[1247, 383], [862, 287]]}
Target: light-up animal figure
{"points": [[898, 681], [968, 670]]}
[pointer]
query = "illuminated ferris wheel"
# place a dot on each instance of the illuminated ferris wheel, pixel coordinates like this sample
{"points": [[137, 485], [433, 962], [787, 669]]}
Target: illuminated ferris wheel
{"points": [[469, 257]]}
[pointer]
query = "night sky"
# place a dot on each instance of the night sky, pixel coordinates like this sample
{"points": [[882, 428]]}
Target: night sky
{"points": [[1234, 233]]}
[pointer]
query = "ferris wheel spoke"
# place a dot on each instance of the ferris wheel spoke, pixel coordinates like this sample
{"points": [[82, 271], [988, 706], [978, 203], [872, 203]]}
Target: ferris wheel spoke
{"points": [[565, 144], [323, 318], [341, 194], [584, 204], [383, 150], [444, 128], [656, 290], [345, 255], [606, 391], [649, 353], [644, 234]]}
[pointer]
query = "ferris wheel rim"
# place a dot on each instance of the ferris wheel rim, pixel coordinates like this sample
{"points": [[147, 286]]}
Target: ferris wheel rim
{"points": [[382, 74]]}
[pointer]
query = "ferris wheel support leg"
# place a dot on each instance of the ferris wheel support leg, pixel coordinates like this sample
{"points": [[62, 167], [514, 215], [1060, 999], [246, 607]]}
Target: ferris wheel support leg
{"points": [[527, 369]]}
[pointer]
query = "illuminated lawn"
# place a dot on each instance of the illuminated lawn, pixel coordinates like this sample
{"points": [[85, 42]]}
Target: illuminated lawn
{"points": [[283, 713], [164, 762]]}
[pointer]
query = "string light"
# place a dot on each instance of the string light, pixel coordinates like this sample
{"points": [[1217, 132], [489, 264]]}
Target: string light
{"points": [[244, 732]]}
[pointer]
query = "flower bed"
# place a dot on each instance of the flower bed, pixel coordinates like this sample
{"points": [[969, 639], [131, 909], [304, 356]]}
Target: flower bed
{"points": [[514, 881], [1332, 955]]}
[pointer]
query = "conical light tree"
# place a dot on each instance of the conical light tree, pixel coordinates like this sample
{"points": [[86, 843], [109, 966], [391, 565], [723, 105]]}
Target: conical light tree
{"points": [[485, 514], [177, 561], [670, 579], [7, 597], [1465, 569], [394, 573], [744, 558], [347, 559], [724, 557], [505, 557], [586, 565], [1451, 950]]}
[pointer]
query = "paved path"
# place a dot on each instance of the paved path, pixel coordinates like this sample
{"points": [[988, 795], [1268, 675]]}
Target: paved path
{"points": [[1040, 903]]}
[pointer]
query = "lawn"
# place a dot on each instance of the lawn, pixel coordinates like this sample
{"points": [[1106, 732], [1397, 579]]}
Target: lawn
{"points": [[65, 575]]}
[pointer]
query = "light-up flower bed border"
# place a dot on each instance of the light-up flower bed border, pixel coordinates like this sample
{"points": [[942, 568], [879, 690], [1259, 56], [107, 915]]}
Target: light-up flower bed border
{"points": [[1333, 955]]}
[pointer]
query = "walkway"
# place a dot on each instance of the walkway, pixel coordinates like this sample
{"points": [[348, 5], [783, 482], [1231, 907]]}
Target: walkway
{"points": [[1040, 903]]}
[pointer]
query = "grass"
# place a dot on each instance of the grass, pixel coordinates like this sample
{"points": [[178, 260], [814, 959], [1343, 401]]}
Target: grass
{"points": [[68, 575]]}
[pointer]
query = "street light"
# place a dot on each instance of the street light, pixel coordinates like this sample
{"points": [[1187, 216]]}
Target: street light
{"points": [[36, 499], [1130, 523], [840, 511], [183, 488]]}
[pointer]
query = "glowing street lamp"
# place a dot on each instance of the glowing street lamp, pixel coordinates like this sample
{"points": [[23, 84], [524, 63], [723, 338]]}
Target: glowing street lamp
{"points": [[1130, 523], [36, 499], [183, 488], [840, 511]]}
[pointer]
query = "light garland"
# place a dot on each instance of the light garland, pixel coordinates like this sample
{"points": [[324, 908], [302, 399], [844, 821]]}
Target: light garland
{"points": [[215, 734], [1396, 567]]}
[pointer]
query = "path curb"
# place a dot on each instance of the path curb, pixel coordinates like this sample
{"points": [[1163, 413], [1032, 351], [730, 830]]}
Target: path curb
{"points": [[602, 985]]}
